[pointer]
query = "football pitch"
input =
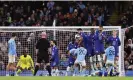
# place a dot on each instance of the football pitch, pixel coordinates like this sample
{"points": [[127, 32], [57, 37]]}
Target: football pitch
{"points": [[65, 78]]}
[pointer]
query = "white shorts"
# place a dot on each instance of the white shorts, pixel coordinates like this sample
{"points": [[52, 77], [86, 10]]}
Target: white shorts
{"points": [[109, 62], [82, 63], [11, 58]]}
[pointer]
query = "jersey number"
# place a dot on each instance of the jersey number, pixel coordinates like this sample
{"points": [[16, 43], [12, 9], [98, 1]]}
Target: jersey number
{"points": [[81, 52], [111, 52]]}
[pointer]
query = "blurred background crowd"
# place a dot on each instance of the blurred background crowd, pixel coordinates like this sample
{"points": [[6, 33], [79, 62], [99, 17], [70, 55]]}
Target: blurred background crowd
{"points": [[68, 13]]}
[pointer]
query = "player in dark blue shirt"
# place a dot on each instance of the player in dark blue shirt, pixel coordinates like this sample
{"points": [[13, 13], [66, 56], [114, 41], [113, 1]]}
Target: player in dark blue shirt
{"points": [[83, 38], [72, 45], [90, 47], [99, 44], [115, 41], [54, 58]]}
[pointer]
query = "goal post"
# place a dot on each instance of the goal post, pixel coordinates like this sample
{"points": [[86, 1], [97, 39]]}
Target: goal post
{"points": [[62, 35]]}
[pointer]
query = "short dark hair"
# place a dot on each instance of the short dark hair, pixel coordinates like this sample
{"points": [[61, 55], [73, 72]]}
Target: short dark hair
{"points": [[13, 34], [79, 29], [54, 41]]}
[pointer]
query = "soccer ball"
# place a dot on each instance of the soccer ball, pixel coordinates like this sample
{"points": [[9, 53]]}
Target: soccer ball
{"points": [[77, 36]]}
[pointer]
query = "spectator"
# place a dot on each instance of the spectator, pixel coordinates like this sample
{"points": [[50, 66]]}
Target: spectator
{"points": [[81, 5], [50, 5], [130, 43]]}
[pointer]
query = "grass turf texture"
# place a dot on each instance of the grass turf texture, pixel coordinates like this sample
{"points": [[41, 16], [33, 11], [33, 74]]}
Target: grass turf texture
{"points": [[65, 78]]}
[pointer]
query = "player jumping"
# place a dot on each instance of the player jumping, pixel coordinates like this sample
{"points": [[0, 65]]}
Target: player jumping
{"points": [[11, 54], [25, 63], [80, 53], [90, 49], [99, 46], [54, 58]]}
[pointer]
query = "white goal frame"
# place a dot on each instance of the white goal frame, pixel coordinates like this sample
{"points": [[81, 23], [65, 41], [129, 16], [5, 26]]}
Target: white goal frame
{"points": [[64, 28]]}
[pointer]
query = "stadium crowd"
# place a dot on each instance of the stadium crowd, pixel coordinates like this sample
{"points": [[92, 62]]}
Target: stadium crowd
{"points": [[66, 14], [126, 17], [128, 48]]}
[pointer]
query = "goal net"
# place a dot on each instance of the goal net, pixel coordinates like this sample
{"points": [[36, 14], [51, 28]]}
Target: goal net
{"points": [[28, 36]]}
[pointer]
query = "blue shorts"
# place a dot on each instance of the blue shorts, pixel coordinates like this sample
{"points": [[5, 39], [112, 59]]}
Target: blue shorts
{"points": [[116, 55], [54, 64], [90, 52], [71, 63], [99, 50]]}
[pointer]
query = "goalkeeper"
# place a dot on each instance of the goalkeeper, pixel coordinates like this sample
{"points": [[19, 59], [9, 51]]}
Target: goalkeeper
{"points": [[25, 63]]}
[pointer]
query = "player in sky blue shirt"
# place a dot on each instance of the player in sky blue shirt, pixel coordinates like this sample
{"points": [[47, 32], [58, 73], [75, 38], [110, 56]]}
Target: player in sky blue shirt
{"points": [[110, 53], [11, 54], [54, 58], [109, 58], [11, 47], [80, 53]]}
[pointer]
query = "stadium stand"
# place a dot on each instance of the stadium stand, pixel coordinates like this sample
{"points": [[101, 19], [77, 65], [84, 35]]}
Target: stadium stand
{"points": [[66, 13]]}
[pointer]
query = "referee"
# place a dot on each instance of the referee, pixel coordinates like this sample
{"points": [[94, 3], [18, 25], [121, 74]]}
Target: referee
{"points": [[42, 50]]}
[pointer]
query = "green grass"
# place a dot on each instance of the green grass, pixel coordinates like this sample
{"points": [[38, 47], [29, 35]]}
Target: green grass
{"points": [[66, 78]]}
